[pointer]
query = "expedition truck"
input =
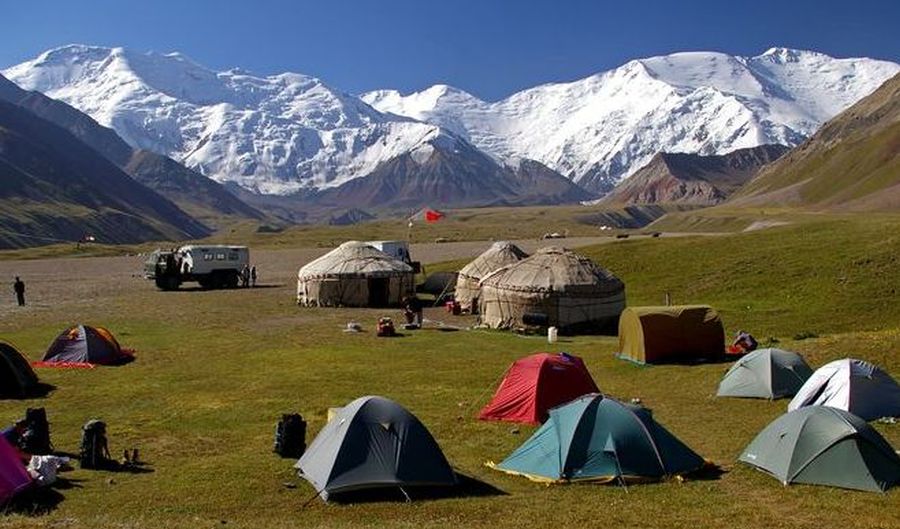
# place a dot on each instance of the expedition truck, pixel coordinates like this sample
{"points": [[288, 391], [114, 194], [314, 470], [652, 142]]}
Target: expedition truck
{"points": [[397, 249], [213, 266]]}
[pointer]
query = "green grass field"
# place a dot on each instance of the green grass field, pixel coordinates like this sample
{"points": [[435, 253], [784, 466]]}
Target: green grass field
{"points": [[216, 369]]}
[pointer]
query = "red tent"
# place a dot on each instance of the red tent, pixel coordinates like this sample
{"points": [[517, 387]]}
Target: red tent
{"points": [[535, 384]]}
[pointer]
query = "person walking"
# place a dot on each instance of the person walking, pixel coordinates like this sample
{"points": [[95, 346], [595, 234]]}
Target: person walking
{"points": [[19, 288]]}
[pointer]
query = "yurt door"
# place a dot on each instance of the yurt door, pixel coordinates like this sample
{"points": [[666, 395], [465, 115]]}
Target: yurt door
{"points": [[379, 291]]}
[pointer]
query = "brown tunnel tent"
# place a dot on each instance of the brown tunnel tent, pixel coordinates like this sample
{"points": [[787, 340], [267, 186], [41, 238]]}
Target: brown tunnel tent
{"points": [[555, 286], [468, 283], [688, 333], [354, 275]]}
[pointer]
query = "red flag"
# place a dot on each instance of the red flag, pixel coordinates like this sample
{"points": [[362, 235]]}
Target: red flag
{"points": [[433, 215], [428, 215]]}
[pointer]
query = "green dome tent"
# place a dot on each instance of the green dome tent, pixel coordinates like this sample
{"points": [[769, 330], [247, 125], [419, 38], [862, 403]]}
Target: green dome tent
{"points": [[819, 445], [597, 438], [373, 443], [17, 379], [765, 374]]}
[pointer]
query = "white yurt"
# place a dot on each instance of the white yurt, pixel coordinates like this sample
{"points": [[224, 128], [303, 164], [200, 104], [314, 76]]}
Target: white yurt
{"points": [[468, 283], [354, 275]]}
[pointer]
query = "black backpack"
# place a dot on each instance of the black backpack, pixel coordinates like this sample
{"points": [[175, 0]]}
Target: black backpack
{"points": [[94, 448], [36, 438], [290, 436]]}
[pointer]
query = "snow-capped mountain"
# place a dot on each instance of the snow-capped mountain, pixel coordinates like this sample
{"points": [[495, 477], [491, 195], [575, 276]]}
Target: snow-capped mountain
{"points": [[276, 134], [603, 128], [290, 132]]}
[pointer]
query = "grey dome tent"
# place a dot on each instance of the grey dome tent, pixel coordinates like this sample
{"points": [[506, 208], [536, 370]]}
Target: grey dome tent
{"points": [[17, 379], [852, 385], [354, 274], [765, 374], [468, 283], [819, 445], [556, 285], [373, 443]]}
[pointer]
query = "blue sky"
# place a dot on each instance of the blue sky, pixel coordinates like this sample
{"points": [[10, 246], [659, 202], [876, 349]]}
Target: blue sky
{"points": [[490, 48]]}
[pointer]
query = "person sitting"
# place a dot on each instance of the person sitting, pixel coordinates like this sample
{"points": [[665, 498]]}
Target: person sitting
{"points": [[744, 342], [412, 309]]}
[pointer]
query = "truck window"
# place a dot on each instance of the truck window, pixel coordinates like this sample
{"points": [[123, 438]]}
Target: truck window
{"points": [[207, 257], [233, 256], [220, 257]]}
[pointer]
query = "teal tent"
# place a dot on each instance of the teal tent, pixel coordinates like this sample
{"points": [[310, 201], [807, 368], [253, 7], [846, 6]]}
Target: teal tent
{"points": [[601, 439], [819, 445], [765, 374]]}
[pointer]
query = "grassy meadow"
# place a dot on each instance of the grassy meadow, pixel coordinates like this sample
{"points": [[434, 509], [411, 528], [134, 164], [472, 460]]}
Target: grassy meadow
{"points": [[215, 370]]}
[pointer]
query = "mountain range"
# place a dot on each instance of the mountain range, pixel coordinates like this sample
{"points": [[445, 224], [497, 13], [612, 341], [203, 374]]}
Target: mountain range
{"points": [[291, 134], [56, 188], [851, 163]]}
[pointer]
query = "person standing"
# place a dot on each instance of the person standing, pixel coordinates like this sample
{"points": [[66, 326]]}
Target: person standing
{"points": [[19, 288], [245, 276], [253, 276]]}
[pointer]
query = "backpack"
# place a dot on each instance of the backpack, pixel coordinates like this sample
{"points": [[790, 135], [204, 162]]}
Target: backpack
{"points": [[290, 436], [36, 439], [93, 445]]}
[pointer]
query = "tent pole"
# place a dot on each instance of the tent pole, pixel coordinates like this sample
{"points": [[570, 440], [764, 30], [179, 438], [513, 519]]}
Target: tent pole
{"points": [[621, 476], [408, 500]]}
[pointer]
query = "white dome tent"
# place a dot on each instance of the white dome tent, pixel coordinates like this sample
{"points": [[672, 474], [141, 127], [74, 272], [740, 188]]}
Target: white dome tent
{"points": [[851, 385]]}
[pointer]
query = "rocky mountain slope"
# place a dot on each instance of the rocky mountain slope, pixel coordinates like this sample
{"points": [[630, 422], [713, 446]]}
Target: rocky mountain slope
{"points": [[853, 162], [54, 187], [193, 192], [693, 179]]}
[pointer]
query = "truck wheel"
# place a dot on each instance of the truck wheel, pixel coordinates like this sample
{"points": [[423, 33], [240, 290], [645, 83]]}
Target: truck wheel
{"points": [[167, 283], [231, 280]]}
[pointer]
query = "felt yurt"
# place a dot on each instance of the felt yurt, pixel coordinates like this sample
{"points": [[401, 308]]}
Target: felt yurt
{"points": [[820, 445], [671, 334], [373, 443], [554, 287], [85, 346], [857, 386], [536, 383], [597, 438], [17, 379], [355, 274], [468, 284], [765, 374]]}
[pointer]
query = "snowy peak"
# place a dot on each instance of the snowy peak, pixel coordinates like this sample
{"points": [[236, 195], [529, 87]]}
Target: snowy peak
{"points": [[600, 129], [275, 134], [291, 132]]}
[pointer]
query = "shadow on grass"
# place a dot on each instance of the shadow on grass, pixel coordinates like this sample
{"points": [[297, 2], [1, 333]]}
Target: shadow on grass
{"points": [[39, 391], [466, 487], [709, 472], [38, 501], [198, 288]]}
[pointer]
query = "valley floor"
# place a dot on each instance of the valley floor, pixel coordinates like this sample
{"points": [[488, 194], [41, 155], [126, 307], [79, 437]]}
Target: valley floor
{"points": [[215, 370]]}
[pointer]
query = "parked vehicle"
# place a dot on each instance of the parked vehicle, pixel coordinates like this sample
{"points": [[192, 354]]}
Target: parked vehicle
{"points": [[213, 266]]}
